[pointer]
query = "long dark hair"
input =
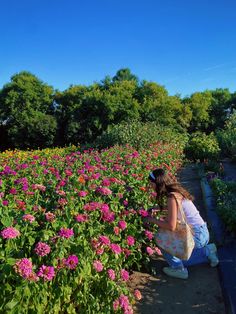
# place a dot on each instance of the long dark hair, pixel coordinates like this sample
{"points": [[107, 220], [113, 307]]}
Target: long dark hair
{"points": [[167, 183]]}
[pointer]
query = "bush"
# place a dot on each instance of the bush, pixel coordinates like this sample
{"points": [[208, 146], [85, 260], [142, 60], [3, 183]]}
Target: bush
{"points": [[202, 146], [225, 202], [139, 135], [227, 137]]}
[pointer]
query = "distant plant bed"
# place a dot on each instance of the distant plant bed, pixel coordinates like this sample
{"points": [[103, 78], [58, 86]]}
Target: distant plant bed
{"points": [[139, 135], [225, 195]]}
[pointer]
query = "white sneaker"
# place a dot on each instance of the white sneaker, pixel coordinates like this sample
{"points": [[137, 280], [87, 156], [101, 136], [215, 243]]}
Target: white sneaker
{"points": [[212, 254], [177, 273]]}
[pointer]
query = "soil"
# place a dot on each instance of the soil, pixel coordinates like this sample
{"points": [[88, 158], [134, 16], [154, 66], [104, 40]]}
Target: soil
{"points": [[200, 293]]}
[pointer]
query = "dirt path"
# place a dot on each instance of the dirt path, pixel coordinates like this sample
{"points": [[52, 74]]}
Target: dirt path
{"points": [[201, 293]]}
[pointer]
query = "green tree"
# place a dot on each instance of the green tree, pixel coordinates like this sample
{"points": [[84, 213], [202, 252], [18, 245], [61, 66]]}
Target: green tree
{"points": [[124, 75], [25, 94], [199, 104]]}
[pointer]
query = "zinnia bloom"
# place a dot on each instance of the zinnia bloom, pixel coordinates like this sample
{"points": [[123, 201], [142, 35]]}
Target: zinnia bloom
{"points": [[72, 261], [46, 272], [137, 294], [122, 224], [66, 233], [42, 249], [28, 217], [124, 274], [111, 274], [98, 266], [115, 248], [130, 240], [10, 233]]}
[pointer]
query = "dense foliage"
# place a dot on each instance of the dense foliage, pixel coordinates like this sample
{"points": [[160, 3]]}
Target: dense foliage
{"points": [[225, 195], [33, 114]]}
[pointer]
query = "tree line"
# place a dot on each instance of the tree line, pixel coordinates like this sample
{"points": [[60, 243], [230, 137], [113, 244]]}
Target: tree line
{"points": [[35, 115]]}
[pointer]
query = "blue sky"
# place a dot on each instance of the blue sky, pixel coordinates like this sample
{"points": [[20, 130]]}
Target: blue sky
{"points": [[186, 46]]}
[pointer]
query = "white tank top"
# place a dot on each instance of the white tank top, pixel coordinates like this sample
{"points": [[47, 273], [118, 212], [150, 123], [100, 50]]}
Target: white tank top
{"points": [[193, 216]]}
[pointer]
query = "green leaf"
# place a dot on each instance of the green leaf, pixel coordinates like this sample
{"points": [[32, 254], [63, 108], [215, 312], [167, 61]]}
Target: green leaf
{"points": [[7, 221], [11, 304]]}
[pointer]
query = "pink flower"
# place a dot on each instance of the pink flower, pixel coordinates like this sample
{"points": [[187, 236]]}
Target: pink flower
{"points": [[23, 267], [124, 302], [106, 182], [149, 234], [115, 248], [66, 233], [116, 305], [28, 217], [103, 191], [50, 216], [13, 191], [46, 272], [125, 202], [100, 251], [149, 250], [5, 202], [137, 294], [104, 240], [72, 261], [42, 249], [122, 224], [82, 193], [98, 266], [81, 217], [130, 240], [124, 274], [116, 230], [111, 274], [10, 233], [143, 213]]}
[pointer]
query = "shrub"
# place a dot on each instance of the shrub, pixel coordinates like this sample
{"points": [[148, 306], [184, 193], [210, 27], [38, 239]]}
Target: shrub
{"points": [[139, 135], [202, 146], [227, 137]]}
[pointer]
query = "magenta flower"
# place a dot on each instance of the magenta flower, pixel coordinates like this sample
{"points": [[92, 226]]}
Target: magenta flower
{"points": [[143, 213], [115, 248], [82, 193], [46, 272], [149, 250], [28, 217], [72, 261], [111, 274], [42, 249], [104, 240], [103, 191], [5, 202], [10, 233], [124, 274], [66, 233], [81, 217], [50, 216], [149, 234], [122, 224], [98, 266], [116, 230], [130, 240], [23, 267], [116, 305]]}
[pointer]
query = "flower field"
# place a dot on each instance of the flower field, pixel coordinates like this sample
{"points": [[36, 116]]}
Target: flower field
{"points": [[71, 227]]}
